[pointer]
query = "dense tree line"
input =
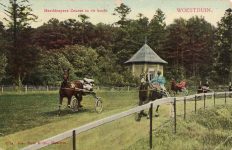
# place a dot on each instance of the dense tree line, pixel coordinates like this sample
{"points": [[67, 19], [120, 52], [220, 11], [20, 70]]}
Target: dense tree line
{"points": [[194, 48]]}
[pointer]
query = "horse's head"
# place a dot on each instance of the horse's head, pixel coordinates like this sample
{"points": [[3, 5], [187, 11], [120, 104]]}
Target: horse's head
{"points": [[173, 82], [144, 78], [66, 74]]}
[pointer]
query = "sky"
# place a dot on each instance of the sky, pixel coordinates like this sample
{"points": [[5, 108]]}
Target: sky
{"points": [[211, 10]]}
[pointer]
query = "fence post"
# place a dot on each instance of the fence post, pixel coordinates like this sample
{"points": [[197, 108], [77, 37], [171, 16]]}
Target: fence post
{"points": [[26, 88], [47, 88], [225, 98], [195, 104], [74, 140], [174, 105], [150, 114], [214, 97], [128, 88], [204, 100], [2, 88], [184, 108]]}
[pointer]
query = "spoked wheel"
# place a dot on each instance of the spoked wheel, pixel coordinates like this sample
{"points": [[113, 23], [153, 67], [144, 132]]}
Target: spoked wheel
{"points": [[74, 104], [98, 105], [185, 91]]}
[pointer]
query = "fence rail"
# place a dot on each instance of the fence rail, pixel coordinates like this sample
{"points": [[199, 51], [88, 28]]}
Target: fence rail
{"points": [[29, 88], [150, 105]]}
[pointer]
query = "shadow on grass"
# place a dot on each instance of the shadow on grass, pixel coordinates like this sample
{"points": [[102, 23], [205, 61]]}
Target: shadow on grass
{"points": [[65, 112]]}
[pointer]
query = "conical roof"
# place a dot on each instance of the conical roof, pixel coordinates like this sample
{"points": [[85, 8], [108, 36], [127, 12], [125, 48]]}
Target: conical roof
{"points": [[146, 55]]}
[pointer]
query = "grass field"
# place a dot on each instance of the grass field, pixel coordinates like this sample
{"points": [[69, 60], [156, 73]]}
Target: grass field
{"points": [[27, 118], [206, 130]]}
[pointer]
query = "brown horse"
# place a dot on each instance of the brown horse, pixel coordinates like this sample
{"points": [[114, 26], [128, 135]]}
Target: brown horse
{"points": [[179, 87], [70, 89], [148, 93]]}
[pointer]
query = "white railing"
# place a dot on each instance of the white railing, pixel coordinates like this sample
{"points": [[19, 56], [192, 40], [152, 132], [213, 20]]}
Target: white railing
{"points": [[75, 131]]}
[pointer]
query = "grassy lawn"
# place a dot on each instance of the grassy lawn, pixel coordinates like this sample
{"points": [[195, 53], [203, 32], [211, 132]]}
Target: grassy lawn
{"points": [[206, 130], [27, 118]]}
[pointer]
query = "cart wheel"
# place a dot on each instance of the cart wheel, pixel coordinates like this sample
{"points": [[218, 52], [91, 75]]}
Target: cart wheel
{"points": [[98, 105], [74, 104], [185, 92]]}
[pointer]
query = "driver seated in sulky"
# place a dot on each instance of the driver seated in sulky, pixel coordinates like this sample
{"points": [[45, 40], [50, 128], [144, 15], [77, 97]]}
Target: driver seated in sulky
{"points": [[230, 86], [88, 84], [205, 86], [158, 81]]}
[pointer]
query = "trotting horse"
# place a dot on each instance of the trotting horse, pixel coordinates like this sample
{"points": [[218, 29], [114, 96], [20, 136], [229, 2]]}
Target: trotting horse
{"points": [[179, 87], [148, 93], [70, 89]]}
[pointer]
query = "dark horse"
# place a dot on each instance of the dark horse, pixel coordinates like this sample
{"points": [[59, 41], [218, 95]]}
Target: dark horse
{"points": [[148, 93], [179, 87], [70, 89]]}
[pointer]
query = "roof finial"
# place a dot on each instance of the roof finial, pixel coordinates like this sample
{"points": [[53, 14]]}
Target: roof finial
{"points": [[145, 39]]}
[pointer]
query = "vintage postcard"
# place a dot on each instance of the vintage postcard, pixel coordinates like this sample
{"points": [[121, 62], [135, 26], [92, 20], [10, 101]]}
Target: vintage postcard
{"points": [[115, 74]]}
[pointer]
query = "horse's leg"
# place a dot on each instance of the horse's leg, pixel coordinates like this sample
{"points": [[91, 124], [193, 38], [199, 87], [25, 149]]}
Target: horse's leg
{"points": [[157, 108], [60, 104], [156, 111], [79, 99], [69, 101]]}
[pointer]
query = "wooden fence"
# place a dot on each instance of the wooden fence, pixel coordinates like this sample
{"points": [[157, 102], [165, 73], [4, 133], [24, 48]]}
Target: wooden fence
{"points": [[169, 100], [30, 88]]}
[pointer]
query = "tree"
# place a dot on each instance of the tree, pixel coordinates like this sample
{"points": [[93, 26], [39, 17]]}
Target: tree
{"points": [[83, 59], [189, 47], [122, 11], [50, 68], [198, 54], [19, 16], [157, 31], [51, 35], [85, 30], [3, 59], [103, 36], [72, 30], [223, 44], [175, 44]]}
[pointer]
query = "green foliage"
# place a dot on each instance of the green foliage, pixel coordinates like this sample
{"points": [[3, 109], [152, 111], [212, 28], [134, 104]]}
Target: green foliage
{"points": [[99, 51], [122, 11], [223, 43], [3, 58], [83, 60], [51, 35], [50, 69], [19, 14], [3, 64], [18, 17], [157, 31], [189, 46]]}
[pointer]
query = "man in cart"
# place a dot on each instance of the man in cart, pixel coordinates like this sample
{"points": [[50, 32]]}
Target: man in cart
{"points": [[159, 80]]}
